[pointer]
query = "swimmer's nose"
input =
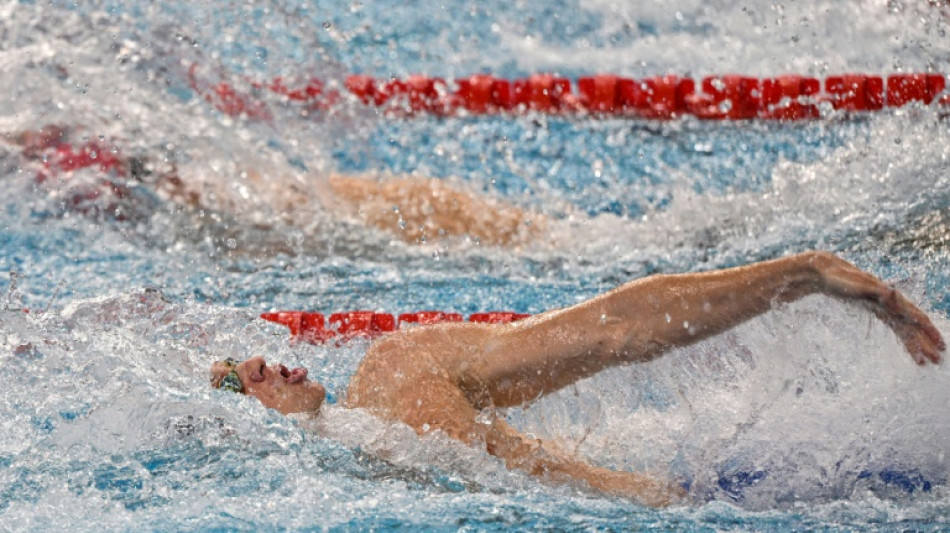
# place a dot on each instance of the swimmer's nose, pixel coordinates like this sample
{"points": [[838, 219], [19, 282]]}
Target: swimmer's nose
{"points": [[255, 368]]}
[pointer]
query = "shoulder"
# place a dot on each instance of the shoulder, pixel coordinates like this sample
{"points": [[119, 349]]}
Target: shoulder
{"points": [[392, 365], [437, 347], [412, 375]]}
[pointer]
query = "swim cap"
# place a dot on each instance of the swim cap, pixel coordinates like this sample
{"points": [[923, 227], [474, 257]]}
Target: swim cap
{"points": [[231, 382]]}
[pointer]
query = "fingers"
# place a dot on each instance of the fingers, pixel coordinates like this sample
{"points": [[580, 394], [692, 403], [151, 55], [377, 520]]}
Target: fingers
{"points": [[919, 336], [935, 336], [922, 321], [920, 348], [927, 351], [930, 341], [912, 325], [931, 348]]}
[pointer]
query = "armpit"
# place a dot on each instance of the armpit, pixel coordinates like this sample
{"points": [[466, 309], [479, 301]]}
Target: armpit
{"points": [[437, 404]]}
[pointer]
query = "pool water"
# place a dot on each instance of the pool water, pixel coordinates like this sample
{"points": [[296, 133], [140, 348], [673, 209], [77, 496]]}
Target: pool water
{"points": [[810, 417]]}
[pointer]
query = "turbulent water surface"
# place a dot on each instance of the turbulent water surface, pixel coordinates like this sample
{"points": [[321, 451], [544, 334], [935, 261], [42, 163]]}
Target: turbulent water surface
{"points": [[811, 416]]}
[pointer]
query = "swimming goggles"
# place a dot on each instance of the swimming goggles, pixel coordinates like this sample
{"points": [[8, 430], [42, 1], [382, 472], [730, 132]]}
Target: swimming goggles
{"points": [[231, 382]]}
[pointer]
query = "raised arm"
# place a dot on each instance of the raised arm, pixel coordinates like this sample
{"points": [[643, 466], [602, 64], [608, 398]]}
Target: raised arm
{"points": [[643, 319], [682, 309]]}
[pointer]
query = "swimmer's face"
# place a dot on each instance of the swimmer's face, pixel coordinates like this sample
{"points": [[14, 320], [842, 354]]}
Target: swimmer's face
{"points": [[277, 387]]}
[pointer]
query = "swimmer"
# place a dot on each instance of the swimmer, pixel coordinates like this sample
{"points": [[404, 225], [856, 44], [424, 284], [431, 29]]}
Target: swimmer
{"points": [[415, 209], [451, 377]]}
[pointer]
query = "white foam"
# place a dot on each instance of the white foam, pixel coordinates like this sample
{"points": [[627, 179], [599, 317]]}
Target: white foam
{"points": [[756, 38]]}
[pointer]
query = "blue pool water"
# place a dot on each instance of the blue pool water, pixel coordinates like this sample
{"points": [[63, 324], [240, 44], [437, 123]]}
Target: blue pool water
{"points": [[810, 417]]}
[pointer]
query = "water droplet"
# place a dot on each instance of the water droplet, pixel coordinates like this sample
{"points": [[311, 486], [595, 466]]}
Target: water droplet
{"points": [[702, 148]]}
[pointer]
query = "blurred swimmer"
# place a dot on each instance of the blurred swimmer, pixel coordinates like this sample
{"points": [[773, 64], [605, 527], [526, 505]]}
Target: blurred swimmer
{"points": [[413, 208], [451, 377]]}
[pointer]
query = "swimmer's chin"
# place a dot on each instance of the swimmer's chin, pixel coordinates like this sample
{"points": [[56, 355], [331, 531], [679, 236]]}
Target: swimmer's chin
{"points": [[318, 395], [302, 397]]}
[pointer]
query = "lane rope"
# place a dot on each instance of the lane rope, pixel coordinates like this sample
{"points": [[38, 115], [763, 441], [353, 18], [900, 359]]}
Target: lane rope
{"points": [[316, 328], [722, 97]]}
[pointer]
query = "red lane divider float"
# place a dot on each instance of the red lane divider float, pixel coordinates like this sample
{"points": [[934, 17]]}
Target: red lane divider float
{"points": [[790, 97], [725, 97], [315, 328], [58, 161], [428, 317]]}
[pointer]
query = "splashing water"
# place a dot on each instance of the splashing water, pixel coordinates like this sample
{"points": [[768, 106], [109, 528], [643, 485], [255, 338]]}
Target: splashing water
{"points": [[810, 416]]}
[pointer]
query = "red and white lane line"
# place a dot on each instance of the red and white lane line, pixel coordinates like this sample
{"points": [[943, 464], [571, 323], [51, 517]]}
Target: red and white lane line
{"points": [[726, 97], [315, 328]]}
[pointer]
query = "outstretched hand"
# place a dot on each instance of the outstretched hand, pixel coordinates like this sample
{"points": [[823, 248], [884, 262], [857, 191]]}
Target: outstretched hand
{"points": [[912, 326]]}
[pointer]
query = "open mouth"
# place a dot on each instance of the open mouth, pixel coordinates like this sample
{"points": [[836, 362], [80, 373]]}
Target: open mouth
{"points": [[295, 375]]}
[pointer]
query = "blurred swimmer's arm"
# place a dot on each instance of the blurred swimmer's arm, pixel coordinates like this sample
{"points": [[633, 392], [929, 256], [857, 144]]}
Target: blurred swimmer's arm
{"points": [[425, 209]]}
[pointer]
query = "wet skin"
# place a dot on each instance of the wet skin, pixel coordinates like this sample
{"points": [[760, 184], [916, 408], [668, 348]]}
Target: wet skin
{"points": [[448, 377]]}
